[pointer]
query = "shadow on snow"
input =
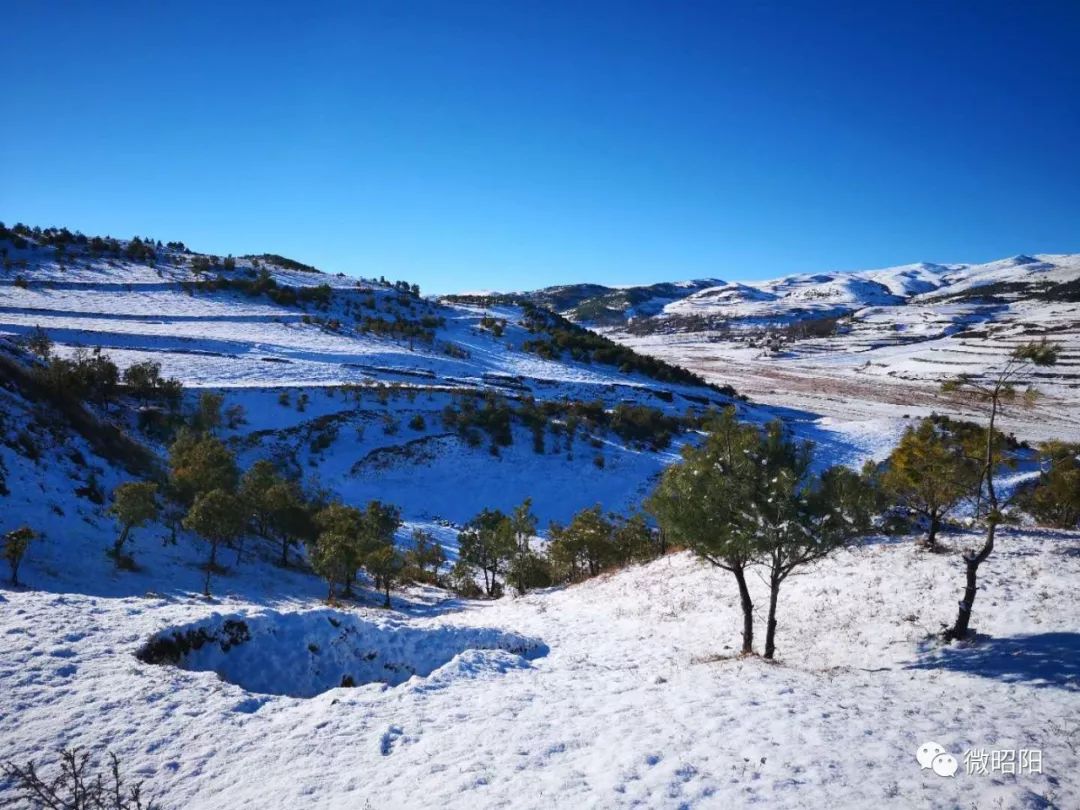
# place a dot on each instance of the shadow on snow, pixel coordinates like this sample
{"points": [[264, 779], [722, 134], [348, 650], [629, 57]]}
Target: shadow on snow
{"points": [[1040, 660]]}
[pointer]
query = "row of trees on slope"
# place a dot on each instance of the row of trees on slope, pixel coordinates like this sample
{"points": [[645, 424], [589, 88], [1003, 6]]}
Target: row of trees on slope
{"points": [[207, 494], [499, 549], [746, 497]]}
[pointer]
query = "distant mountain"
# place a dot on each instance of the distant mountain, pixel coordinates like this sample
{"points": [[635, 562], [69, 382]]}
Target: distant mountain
{"points": [[697, 305], [595, 304]]}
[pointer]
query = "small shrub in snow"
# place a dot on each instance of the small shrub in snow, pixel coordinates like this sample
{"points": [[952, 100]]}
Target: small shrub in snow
{"points": [[1054, 500], [16, 542], [235, 416], [462, 581], [75, 787], [38, 343], [26, 445], [134, 504], [425, 558]]}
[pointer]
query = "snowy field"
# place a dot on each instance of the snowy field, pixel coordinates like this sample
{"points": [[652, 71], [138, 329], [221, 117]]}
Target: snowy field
{"points": [[627, 694], [623, 691]]}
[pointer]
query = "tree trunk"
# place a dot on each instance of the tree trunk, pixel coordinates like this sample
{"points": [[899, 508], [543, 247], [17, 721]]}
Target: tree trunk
{"points": [[119, 544], [747, 610], [210, 566], [770, 629], [960, 628], [931, 538], [15, 572], [386, 604], [239, 550], [284, 552]]}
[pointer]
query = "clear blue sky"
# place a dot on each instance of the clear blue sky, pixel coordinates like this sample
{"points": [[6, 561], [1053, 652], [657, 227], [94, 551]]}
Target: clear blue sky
{"points": [[520, 143]]}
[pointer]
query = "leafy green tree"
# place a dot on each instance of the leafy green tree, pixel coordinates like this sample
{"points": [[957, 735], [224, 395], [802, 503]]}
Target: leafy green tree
{"points": [[426, 553], [632, 540], [699, 504], [585, 546], [218, 517], [199, 464], [799, 518], [257, 485], [993, 392], [16, 542], [143, 378], [97, 375], [379, 523], [339, 549], [524, 566], [290, 520], [348, 538], [208, 417], [1054, 500], [333, 556], [528, 570], [144, 381], [385, 563], [931, 471], [487, 544], [134, 505]]}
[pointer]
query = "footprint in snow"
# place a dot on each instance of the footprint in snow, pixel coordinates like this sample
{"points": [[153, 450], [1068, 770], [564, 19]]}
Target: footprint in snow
{"points": [[249, 706], [389, 739]]}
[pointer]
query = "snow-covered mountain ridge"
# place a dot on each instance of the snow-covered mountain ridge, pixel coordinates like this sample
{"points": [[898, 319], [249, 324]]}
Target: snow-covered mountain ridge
{"points": [[807, 295], [861, 343]]}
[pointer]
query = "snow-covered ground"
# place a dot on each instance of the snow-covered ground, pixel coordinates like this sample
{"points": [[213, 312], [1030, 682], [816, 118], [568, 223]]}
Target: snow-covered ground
{"points": [[627, 695], [619, 692]]}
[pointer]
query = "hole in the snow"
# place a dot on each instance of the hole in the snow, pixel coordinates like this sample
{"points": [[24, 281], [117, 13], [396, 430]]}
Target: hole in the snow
{"points": [[304, 654]]}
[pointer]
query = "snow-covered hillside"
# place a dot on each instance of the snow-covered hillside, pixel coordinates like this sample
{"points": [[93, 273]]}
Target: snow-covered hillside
{"points": [[349, 387], [620, 691], [866, 344]]}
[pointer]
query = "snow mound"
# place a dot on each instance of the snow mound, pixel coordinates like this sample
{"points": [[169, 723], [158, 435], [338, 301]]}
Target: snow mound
{"points": [[303, 654]]}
